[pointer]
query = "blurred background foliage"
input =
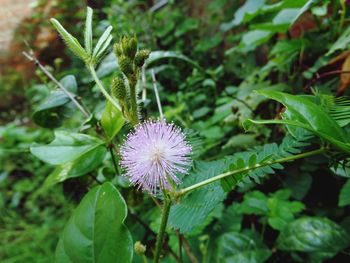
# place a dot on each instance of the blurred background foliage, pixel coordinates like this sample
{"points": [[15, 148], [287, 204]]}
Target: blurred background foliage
{"points": [[208, 57]]}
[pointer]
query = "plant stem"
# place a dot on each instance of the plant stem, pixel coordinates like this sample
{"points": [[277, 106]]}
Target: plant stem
{"points": [[134, 113], [102, 89], [113, 160], [165, 216], [246, 169]]}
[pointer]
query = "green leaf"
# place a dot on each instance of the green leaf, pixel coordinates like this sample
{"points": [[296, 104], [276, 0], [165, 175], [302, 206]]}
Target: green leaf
{"points": [[344, 196], [88, 30], [307, 115], [316, 235], [85, 163], [193, 208], [187, 25], [303, 9], [255, 202], [103, 49], [112, 120], [230, 220], [71, 42], [66, 147], [103, 39], [158, 55], [254, 38], [57, 106], [236, 247], [286, 17], [299, 184], [243, 14], [96, 232], [342, 42]]}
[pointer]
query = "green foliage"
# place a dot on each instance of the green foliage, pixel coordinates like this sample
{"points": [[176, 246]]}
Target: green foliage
{"points": [[112, 120], [344, 196], [96, 229], [57, 106], [236, 247], [320, 237], [262, 159], [71, 42], [75, 154], [304, 113], [277, 209], [209, 58], [194, 208]]}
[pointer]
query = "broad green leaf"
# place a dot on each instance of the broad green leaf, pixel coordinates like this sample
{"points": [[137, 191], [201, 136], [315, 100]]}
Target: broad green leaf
{"points": [[344, 196], [255, 202], [244, 13], [57, 106], [254, 38], [315, 235], [96, 232], [66, 147], [304, 8], [112, 120], [76, 154], [307, 115], [193, 208], [85, 163], [299, 184], [286, 17], [236, 247]]}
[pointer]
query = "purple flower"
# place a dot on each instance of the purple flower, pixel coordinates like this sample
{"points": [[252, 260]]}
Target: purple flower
{"points": [[153, 154]]}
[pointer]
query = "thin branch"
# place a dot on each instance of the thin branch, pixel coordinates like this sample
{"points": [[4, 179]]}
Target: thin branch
{"points": [[158, 5], [157, 95], [188, 249], [320, 76], [54, 80]]}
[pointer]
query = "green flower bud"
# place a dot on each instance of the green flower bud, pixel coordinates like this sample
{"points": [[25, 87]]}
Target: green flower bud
{"points": [[139, 248], [118, 50], [130, 48], [141, 56], [125, 64], [118, 88]]}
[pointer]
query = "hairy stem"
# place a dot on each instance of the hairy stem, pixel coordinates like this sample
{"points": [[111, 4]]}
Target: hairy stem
{"points": [[246, 169], [160, 236], [102, 89]]}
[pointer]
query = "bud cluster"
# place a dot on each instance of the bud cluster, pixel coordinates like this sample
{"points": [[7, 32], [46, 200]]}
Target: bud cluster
{"points": [[130, 61], [129, 58]]}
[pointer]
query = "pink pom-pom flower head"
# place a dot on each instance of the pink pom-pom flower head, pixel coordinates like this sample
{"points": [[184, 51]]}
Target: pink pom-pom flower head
{"points": [[153, 154]]}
